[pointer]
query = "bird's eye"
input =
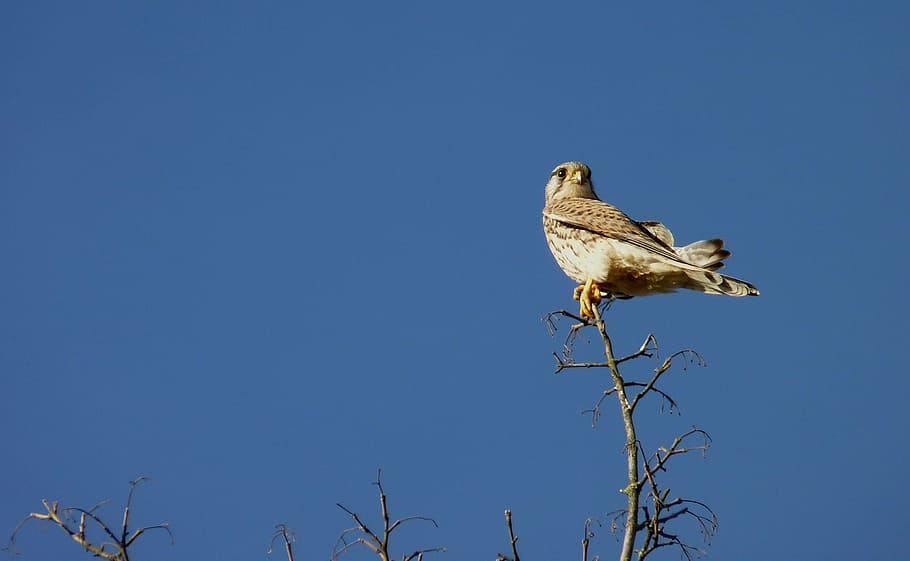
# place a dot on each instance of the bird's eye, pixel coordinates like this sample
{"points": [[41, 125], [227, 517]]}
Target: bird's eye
{"points": [[561, 173]]}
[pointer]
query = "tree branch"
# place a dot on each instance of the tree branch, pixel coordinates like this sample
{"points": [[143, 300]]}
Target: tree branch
{"points": [[372, 540], [513, 541], [287, 535], [644, 523], [62, 519]]}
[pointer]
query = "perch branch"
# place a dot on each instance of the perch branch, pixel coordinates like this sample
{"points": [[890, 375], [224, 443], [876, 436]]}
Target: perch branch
{"points": [[640, 522]]}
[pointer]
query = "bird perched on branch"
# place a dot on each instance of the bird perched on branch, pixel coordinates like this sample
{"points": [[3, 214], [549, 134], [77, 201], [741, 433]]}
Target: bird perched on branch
{"points": [[611, 255]]}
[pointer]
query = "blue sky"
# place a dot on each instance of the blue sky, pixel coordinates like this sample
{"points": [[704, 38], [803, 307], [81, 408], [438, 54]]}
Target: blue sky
{"points": [[256, 251]]}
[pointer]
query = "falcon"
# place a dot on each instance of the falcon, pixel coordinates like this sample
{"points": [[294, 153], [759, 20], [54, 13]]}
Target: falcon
{"points": [[611, 255]]}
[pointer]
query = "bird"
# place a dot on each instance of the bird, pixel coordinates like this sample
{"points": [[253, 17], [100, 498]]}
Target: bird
{"points": [[611, 255]]}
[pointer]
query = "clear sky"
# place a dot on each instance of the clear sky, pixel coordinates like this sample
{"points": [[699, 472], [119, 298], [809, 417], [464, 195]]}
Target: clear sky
{"points": [[257, 250]]}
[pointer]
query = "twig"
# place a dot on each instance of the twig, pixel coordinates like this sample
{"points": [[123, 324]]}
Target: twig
{"points": [[372, 540], [61, 518], [513, 541], [663, 454], [638, 521], [586, 540], [287, 535], [646, 350], [665, 509]]}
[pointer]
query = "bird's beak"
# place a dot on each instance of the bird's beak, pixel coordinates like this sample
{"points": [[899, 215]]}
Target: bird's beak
{"points": [[577, 177]]}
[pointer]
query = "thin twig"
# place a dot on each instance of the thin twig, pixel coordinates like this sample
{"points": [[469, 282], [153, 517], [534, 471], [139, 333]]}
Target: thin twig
{"points": [[372, 540], [513, 539], [287, 535], [640, 521], [64, 519], [586, 539], [646, 350]]}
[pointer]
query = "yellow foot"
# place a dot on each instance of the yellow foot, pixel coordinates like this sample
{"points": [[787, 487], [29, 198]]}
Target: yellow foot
{"points": [[589, 296]]}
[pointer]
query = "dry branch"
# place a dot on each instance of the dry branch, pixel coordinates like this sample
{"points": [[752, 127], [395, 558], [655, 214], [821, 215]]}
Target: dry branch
{"points": [[643, 526], [378, 543], [287, 535], [513, 541], [117, 549]]}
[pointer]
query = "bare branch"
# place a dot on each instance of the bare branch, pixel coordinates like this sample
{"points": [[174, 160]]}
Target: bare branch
{"points": [[419, 553], [596, 410], [336, 552], [663, 454], [666, 509], [363, 529], [163, 526], [690, 355], [126, 510], [97, 520], [672, 405], [632, 490], [372, 540], [513, 541], [617, 520], [562, 364], [76, 527], [409, 518], [287, 535], [641, 524], [586, 539], [551, 320], [648, 349]]}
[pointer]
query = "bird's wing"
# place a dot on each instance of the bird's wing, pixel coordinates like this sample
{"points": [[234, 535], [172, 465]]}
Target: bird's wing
{"points": [[659, 231], [607, 220]]}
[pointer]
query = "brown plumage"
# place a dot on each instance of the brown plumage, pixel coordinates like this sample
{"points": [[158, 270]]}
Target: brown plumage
{"points": [[597, 245]]}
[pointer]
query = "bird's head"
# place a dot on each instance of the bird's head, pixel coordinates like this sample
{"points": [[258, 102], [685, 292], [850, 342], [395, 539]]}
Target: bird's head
{"points": [[570, 180]]}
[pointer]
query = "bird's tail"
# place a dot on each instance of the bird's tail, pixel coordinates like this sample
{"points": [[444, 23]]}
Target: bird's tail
{"points": [[710, 255], [707, 254], [716, 283]]}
